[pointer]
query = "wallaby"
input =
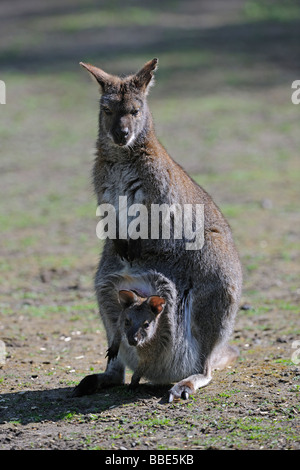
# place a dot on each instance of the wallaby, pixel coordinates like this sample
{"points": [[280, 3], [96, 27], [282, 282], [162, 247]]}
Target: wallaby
{"points": [[138, 321], [131, 162], [139, 325]]}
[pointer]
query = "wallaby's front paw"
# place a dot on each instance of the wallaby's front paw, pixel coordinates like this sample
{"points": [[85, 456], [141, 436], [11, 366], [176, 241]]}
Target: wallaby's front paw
{"points": [[181, 390]]}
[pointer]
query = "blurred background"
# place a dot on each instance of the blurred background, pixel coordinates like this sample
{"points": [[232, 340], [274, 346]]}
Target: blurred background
{"points": [[222, 107]]}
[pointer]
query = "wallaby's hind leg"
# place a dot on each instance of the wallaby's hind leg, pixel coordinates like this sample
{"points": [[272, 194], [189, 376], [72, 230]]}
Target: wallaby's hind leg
{"points": [[188, 386], [107, 295], [114, 375]]}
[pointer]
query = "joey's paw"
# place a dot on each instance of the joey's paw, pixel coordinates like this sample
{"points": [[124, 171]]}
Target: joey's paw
{"points": [[181, 390], [111, 353], [88, 386]]}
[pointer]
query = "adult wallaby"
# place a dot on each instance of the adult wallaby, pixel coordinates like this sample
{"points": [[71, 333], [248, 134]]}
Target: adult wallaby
{"points": [[131, 162]]}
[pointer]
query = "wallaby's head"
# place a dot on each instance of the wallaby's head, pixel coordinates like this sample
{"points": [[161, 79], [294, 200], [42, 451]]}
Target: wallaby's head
{"points": [[123, 106], [140, 316]]}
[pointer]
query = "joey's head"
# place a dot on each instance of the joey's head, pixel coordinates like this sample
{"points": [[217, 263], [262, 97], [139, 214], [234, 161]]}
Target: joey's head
{"points": [[140, 316], [123, 105]]}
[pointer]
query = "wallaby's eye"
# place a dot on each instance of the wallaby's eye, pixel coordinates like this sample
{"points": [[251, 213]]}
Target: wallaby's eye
{"points": [[146, 324], [107, 110], [127, 322], [135, 112]]}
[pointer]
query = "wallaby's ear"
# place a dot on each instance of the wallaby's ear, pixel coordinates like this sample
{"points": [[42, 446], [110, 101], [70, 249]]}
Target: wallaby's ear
{"points": [[102, 77], [127, 298], [156, 303], [144, 77]]}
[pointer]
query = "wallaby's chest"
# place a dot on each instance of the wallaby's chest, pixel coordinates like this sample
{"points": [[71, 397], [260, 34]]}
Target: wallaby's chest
{"points": [[121, 181]]}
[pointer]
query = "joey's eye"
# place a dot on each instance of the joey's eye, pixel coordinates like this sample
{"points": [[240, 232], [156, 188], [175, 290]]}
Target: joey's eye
{"points": [[146, 324], [135, 112], [107, 110], [127, 322]]}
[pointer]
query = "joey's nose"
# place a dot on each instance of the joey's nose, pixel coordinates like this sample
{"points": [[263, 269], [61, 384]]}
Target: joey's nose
{"points": [[132, 338], [132, 341]]}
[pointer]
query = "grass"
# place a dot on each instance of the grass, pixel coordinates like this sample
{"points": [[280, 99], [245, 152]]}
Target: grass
{"points": [[272, 10]]}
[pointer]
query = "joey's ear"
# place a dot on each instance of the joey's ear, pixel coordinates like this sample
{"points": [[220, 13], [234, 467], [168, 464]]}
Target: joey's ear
{"points": [[156, 303], [127, 298], [102, 77], [144, 77]]}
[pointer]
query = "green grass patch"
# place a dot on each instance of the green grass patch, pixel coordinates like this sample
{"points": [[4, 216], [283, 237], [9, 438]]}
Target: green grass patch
{"points": [[271, 10]]}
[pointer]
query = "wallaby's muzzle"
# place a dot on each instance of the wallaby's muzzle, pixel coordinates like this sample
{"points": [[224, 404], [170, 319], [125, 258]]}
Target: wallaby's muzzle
{"points": [[134, 337], [121, 136]]}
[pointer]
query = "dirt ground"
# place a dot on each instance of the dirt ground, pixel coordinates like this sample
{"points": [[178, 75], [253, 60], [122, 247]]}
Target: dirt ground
{"points": [[230, 75], [254, 405]]}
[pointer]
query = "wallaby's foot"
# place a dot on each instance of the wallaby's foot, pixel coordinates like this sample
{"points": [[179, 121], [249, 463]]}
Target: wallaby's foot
{"points": [[87, 386], [187, 387], [181, 390], [94, 383]]}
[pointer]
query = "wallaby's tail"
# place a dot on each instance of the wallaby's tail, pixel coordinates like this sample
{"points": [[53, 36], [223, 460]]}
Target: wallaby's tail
{"points": [[226, 357]]}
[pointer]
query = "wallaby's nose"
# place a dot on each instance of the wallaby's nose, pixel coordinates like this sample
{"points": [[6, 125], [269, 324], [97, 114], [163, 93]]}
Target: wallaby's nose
{"points": [[132, 338], [133, 342], [121, 135]]}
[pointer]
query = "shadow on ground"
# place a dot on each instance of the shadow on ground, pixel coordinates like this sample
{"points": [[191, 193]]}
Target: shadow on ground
{"points": [[57, 404]]}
